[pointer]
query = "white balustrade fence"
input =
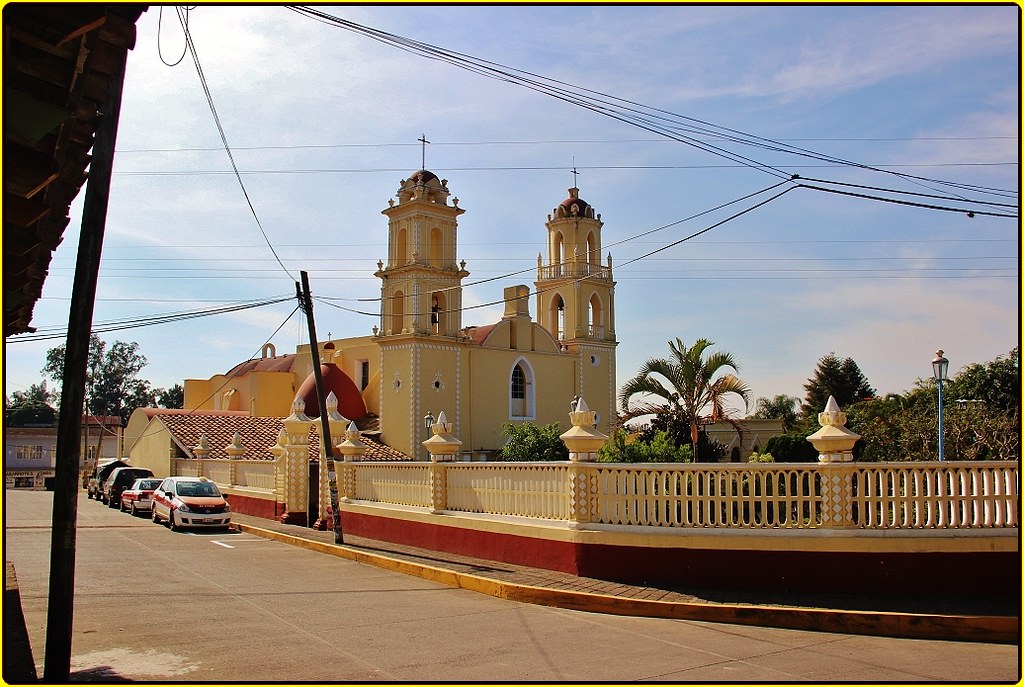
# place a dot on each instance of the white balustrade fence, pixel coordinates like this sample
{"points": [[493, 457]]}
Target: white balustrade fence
{"points": [[950, 495]]}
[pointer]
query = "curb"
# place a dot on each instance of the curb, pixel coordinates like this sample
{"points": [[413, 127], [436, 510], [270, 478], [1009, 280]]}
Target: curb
{"points": [[971, 628]]}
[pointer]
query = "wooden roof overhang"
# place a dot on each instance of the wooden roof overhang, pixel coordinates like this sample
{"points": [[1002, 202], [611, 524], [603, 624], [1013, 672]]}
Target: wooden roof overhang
{"points": [[58, 62]]}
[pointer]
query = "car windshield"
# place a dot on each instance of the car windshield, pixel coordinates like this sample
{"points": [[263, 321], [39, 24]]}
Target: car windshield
{"points": [[197, 489], [147, 484]]}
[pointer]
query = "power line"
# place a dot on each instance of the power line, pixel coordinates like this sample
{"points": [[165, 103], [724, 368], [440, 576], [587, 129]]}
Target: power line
{"points": [[49, 333], [223, 137], [316, 146], [681, 128]]}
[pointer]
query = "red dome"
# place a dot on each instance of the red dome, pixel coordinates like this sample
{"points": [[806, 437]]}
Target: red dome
{"points": [[350, 401], [581, 207]]}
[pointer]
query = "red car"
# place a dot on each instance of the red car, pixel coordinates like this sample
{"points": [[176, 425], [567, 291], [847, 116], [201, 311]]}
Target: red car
{"points": [[139, 496]]}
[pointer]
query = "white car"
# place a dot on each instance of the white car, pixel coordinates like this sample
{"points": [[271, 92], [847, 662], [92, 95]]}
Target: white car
{"points": [[190, 502]]}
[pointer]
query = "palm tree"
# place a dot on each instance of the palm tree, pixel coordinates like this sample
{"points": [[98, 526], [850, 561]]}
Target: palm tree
{"points": [[694, 384]]}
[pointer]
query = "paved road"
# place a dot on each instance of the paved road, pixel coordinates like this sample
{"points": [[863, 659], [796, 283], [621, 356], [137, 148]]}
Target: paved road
{"points": [[156, 605]]}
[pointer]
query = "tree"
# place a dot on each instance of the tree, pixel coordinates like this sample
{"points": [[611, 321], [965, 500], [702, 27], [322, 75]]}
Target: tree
{"points": [[841, 379], [781, 407], [531, 442], [684, 386], [35, 392], [995, 383], [112, 385], [29, 412], [170, 398]]}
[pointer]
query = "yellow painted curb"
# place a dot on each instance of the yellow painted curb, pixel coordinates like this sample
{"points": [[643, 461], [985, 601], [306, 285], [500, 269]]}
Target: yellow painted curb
{"points": [[974, 628]]}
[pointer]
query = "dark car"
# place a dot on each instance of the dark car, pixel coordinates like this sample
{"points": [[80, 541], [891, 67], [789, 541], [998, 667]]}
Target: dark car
{"points": [[100, 475], [119, 480]]}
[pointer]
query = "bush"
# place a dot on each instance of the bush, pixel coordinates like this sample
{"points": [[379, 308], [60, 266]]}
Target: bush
{"points": [[791, 448], [531, 442], [659, 449]]}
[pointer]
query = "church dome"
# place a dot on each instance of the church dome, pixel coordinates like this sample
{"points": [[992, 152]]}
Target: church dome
{"points": [[574, 206], [422, 176], [350, 401]]}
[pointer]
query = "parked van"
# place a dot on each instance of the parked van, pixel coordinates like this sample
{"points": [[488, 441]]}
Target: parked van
{"points": [[119, 480], [100, 475]]}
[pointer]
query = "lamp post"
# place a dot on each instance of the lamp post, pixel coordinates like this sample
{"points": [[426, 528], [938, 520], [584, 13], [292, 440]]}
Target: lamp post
{"points": [[428, 422], [939, 368]]}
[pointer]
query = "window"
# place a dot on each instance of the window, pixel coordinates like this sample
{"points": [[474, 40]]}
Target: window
{"points": [[29, 452], [364, 374], [518, 383], [521, 391]]}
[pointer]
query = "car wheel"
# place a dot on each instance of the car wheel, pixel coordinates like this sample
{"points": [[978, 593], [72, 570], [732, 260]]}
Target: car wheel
{"points": [[121, 507], [133, 510], [170, 522], [153, 514], [111, 503]]}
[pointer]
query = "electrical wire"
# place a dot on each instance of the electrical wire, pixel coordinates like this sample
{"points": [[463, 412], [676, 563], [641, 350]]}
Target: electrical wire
{"points": [[654, 120], [48, 334], [223, 137]]}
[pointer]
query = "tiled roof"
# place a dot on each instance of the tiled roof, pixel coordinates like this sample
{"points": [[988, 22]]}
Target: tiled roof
{"points": [[259, 434]]}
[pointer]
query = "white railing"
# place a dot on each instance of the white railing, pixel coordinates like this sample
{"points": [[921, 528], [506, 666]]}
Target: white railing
{"points": [[711, 496], [531, 490], [258, 475], [403, 484], [957, 495], [875, 496]]}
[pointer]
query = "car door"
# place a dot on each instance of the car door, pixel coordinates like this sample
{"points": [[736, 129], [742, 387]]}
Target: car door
{"points": [[161, 504]]}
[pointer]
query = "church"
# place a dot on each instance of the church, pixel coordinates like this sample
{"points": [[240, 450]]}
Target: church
{"points": [[423, 359]]}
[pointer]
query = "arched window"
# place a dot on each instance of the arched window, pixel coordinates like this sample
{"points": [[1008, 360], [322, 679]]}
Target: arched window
{"points": [[593, 249], [596, 317], [436, 248], [556, 318], [556, 254], [521, 391], [397, 312], [401, 248], [438, 313]]}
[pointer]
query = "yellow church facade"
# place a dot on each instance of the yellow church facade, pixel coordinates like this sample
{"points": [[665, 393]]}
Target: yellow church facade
{"points": [[422, 359]]}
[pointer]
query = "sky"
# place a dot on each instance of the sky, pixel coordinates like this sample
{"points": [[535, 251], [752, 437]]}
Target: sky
{"points": [[323, 123]]}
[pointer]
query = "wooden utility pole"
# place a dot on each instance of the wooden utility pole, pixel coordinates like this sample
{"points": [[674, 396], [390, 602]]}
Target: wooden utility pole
{"points": [[306, 300], [60, 609]]}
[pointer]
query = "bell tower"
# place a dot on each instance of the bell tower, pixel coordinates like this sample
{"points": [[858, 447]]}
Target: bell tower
{"points": [[575, 292], [576, 299], [421, 284]]}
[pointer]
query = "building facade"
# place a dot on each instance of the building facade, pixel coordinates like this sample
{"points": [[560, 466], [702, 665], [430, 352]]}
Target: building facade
{"points": [[422, 358]]}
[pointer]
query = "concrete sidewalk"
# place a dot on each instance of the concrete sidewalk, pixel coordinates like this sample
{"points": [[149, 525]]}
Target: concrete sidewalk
{"points": [[932, 618]]}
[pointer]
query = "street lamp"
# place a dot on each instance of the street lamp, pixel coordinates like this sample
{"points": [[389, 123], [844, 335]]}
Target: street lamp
{"points": [[428, 422], [939, 368]]}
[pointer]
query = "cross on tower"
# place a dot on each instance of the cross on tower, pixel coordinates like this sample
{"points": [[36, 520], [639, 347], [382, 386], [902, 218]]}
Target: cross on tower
{"points": [[574, 173], [423, 144]]}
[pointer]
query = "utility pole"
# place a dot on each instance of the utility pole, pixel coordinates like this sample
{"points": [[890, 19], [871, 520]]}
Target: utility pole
{"points": [[61, 600], [306, 302]]}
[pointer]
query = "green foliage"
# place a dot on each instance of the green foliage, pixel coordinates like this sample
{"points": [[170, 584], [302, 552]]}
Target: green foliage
{"points": [[678, 389], [791, 448], [170, 398], [29, 413], [781, 407], [531, 442], [35, 392], [660, 449], [842, 379], [996, 384], [761, 458], [112, 385]]}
